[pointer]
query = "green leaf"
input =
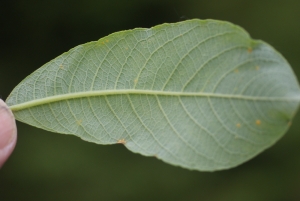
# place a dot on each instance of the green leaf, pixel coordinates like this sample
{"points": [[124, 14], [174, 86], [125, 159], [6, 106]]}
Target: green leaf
{"points": [[200, 94]]}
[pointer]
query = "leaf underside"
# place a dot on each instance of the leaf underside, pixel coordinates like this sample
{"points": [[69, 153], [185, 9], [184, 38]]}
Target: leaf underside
{"points": [[200, 94]]}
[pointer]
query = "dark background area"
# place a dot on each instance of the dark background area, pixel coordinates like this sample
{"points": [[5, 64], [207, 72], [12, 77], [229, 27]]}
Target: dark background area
{"points": [[49, 166]]}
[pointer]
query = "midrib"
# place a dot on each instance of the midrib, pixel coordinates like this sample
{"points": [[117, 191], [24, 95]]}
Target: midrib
{"points": [[56, 98]]}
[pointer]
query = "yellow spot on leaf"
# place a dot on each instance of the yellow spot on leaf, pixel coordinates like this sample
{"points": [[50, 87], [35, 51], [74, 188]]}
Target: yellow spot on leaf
{"points": [[135, 81], [79, 122], [122, 141], [258, 122], [238, 125], [61, 66], [257, 67], [236, 70], [235, 89], [106, 40], [290, 123], [249, 50]]}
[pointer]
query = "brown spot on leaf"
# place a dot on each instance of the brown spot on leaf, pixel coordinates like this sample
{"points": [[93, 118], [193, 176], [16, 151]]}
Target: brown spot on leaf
{"points": [[121, 141], [258, 122]]}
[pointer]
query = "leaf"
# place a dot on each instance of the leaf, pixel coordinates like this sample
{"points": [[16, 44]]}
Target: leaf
{"points": [[200, 94]]}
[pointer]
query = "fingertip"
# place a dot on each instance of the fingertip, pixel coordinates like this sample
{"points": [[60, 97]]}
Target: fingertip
{"points": [[8, 132]]}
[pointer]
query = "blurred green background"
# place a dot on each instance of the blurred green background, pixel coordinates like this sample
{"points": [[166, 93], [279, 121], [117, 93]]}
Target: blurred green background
{"points": [[49, 166]]}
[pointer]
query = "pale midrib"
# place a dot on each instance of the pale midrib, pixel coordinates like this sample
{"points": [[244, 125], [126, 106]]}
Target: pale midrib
{"points": [[86, 94]]}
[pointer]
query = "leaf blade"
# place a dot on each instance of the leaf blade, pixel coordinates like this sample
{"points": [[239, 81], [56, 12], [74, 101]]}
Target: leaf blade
{"points": [[199, 94]]}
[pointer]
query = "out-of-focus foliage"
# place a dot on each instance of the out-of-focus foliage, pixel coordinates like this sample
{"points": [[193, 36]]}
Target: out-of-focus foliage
{"points": [[46, 166]]}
